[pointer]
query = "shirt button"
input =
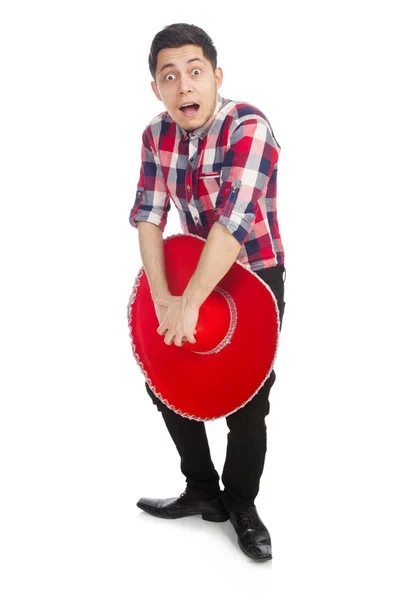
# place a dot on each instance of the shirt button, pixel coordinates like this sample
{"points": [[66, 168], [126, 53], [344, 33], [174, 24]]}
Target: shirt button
{"points": [[196, 219], [188, 188], [191, 159]]}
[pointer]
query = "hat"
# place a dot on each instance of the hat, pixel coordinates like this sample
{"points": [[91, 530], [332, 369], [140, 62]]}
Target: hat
{"points": [[236, 340]]}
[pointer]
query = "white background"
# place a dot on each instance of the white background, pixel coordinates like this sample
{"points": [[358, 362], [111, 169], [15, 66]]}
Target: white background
{"points": [[80, 439]]}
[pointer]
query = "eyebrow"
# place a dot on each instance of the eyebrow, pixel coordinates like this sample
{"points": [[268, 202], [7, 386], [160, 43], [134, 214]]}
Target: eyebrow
{"points": [[173, 64]]}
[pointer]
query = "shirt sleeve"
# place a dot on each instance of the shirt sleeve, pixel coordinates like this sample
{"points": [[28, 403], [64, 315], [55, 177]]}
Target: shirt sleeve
{"points": [[247, 168], [152, 201]]}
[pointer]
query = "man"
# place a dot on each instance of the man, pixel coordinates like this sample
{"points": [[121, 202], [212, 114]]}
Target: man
{"points": [[217, 161]]}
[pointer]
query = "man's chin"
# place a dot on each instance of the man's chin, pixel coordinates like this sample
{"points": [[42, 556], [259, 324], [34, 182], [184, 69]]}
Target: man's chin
{"points": [[188, 124]]}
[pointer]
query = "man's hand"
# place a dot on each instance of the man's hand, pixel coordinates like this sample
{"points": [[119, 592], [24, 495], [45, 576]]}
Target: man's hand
{"points": [[161, 311], [177, 320]]}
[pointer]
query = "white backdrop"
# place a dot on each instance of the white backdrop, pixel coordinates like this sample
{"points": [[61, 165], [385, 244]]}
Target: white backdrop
{"points": [[80, 440]]}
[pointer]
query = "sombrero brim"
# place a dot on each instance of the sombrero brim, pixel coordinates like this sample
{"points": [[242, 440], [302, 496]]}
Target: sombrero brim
{"points": [[197, 386]]}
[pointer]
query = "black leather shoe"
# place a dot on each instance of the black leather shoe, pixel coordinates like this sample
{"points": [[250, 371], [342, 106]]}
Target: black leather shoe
{"points": [[253, 537], [185, 506]]}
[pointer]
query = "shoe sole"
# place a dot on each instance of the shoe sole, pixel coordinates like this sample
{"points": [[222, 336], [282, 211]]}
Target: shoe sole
{"points": [[215, 518]]}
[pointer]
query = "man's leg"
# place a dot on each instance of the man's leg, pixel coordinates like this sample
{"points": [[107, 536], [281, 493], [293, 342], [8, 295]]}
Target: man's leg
{"points": [[191, 442], [246, 450], [247, 439]]}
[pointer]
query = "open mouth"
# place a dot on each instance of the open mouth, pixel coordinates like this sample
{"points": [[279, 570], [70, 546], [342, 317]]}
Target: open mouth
{"points": [[190, 109]]}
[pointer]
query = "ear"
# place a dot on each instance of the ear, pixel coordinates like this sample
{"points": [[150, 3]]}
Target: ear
{"points": [[155, 90], [218, 77]]}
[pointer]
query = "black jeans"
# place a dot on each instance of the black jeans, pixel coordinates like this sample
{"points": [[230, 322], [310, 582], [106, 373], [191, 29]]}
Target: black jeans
{"points": [[247, 440]]}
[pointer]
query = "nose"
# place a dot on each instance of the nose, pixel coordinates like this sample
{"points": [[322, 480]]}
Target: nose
{"points": [[184, 85]]}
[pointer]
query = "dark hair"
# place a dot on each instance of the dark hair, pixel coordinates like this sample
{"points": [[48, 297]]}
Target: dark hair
{"points": [[177, 35]]}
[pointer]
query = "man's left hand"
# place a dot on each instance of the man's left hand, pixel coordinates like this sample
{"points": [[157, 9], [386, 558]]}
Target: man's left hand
{"points": [[179, 324]]}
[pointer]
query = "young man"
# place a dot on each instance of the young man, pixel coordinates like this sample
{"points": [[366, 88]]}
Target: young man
{"points": [[216, 159]]}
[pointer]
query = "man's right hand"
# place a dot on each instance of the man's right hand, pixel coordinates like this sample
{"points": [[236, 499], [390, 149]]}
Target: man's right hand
{"points": [[161, 311]]}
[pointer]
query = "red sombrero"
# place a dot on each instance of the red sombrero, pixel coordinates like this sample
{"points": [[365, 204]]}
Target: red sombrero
{"points": [[236, 340]]}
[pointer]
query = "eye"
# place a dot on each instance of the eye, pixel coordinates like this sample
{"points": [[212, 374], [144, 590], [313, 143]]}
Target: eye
{"points": [[170, 77], [196, 71]]}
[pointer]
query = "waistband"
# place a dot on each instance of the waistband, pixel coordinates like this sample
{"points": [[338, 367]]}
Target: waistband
{"points": [[272, 273]]}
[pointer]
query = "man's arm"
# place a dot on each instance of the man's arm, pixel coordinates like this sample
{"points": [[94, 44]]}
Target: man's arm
{"points": [[149, 216], [246, 171], [219, 253], [151, 245]]}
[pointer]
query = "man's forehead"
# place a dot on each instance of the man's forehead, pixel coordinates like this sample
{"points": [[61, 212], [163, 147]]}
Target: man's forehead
{"points": [[179, 55]]}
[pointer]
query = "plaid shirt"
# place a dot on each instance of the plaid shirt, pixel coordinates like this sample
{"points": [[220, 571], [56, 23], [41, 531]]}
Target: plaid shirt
{"points": [[226, 171]]}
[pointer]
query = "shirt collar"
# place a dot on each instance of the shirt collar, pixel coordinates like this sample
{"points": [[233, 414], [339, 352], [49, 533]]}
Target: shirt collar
{"points": [[202, 131]]}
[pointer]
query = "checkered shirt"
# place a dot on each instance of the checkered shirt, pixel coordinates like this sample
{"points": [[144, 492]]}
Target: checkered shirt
{"points": [[226, 171]]}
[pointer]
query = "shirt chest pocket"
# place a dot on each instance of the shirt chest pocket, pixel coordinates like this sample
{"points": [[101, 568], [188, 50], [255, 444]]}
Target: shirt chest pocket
{"points": [[209, 185]]}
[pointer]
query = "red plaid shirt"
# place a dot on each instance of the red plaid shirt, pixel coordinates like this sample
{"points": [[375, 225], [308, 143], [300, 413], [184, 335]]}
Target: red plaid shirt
{"points": [[226, 171]]}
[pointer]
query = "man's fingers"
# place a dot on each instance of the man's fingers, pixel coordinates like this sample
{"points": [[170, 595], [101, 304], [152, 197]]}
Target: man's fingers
{"points": [[177, 340], [171, 337], [168, 338]]}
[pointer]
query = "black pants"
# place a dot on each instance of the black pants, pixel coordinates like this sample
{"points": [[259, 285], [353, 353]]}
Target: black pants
{"points": [[246, 446]]}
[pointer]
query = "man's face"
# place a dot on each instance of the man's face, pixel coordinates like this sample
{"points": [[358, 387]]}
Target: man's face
{"points": [[185, 76]]}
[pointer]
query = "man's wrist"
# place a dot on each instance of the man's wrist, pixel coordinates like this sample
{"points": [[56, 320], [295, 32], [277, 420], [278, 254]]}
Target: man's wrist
{"points": [[161, 298], [191, 299]]}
